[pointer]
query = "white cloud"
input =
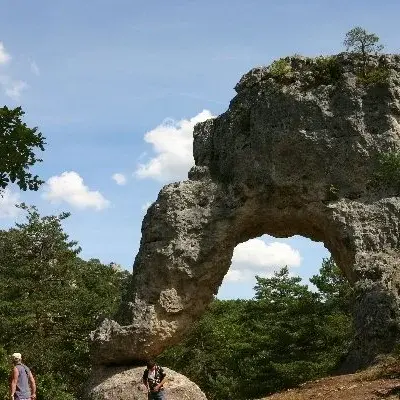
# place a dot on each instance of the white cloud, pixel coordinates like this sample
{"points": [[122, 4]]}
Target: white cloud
{"points": [[259, 254], [12, 87], [8, 200], [4, 56], [173, 144], [69, 187], [235, 275], [120, 179], [255, 257], [34, 68], [15, 88], [146, 206]]}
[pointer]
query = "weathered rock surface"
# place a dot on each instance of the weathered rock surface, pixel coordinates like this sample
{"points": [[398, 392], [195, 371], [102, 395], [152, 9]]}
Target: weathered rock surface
{"points": [[119, 383], [285, 159]]}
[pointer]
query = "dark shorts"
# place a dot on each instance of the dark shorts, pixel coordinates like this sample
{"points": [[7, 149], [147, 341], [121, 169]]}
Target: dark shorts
{"points": [[157, 395]]}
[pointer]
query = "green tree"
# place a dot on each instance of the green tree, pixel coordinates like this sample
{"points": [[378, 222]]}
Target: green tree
{"points": [[286, 335], [333, 287], [363, 43], [4, 373], [281, 288], [293, 337], [50, 300], [18, 144], [210, 354]]}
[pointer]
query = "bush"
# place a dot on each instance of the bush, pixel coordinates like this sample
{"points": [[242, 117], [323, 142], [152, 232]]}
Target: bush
{"points": [[281, 70], [49, 388], [387, 173], [5, 367], [317, 71], [374, 75], [326, 70]]}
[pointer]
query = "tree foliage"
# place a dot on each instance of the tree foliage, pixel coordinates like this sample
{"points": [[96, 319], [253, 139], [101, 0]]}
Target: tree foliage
{"points": [[18, 144], [50, 300], [281, 69], [359, 41], [286, 335], [387, 172], [333, 287], [364, 44], [326, 70]]}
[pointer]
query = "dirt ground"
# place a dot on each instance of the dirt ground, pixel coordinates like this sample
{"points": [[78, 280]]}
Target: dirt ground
{"points": [[380, 382]]}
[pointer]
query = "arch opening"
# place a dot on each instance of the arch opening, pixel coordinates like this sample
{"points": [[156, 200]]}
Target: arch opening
{"points": [[265, 255], [263, 333]]}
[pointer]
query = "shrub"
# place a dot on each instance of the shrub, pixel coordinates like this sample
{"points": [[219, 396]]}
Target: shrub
{"points": [[326, 70], [281, 70], [373, 75], [387, 173], [5, 368], [49, 387]]}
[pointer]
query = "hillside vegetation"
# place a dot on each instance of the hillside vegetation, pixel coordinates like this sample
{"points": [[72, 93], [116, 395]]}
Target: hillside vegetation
{"points": [[51, 299], [286, 335]]}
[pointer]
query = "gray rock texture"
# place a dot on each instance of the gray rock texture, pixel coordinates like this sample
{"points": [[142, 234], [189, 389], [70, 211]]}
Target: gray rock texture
{"points": [[121, 383], [292, 155]]}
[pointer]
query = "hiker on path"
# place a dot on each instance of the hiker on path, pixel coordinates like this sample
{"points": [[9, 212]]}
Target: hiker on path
{"points": [[22, 382], [154, 379]]}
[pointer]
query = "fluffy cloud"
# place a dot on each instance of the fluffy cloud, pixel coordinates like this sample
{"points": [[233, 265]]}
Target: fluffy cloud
{"points": [[70, 188], [8, 200], [120, 179], [4, 56], [12, 87], [255, 257], [172, 142]]}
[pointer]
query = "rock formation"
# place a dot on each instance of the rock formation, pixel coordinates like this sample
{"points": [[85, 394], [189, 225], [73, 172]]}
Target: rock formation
{"points": [[126, 384], [295, 154]]}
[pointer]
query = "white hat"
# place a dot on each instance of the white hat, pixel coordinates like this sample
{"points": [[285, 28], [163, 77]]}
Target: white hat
{"points": [[16, 356]]}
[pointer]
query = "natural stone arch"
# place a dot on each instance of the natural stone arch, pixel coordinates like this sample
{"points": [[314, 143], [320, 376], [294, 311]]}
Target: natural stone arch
{"points": [[283, 160]]}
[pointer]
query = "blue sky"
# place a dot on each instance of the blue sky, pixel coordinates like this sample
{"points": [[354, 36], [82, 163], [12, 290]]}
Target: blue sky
{"points": [[111, 83]]}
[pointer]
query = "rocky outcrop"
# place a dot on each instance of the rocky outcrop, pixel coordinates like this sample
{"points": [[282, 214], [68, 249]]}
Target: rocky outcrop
{"points": [[126, 384], [295, 154]]}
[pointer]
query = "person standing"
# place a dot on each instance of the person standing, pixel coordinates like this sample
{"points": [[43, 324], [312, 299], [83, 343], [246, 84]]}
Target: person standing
{"points": [[22, 382], [154, 379]]}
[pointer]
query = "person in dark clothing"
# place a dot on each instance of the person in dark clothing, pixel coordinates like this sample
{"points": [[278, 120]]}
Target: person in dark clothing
{"points": [[154, 379], [22, 382]]}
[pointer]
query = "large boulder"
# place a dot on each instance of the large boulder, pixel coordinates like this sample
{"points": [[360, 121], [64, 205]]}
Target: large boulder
{"points": [[124, 383], [295, 154]]}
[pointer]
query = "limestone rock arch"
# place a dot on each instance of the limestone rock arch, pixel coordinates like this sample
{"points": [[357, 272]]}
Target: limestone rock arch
{"points": [[285, 159]]}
